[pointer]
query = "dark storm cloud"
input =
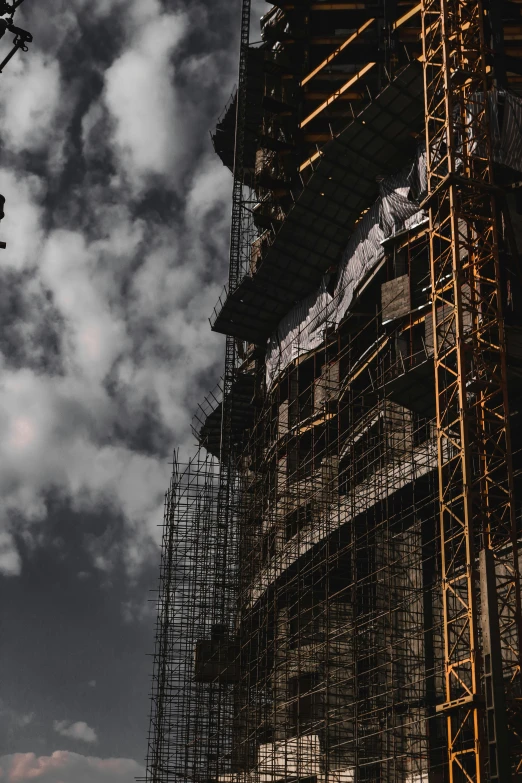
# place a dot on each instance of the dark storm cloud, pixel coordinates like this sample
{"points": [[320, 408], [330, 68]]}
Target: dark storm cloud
{"points": [[68, 627]]}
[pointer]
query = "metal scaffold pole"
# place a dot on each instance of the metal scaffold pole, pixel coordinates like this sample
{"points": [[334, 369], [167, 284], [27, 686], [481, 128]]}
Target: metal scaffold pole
{"points": [[226, 541], [480, 576], [177, 713], [225, 603], [158, 751]]}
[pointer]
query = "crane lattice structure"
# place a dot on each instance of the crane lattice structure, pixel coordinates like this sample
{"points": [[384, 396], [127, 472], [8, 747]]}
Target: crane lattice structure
{"points": [[477, 518]]}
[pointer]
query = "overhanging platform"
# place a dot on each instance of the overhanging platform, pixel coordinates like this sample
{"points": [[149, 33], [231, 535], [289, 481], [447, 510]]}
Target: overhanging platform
{"points": [[223, 137], [342, 182], [243, 412]]}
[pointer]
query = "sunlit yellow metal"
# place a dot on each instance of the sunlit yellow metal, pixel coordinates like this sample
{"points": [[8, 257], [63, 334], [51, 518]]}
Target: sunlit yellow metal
{"points": [[337, 94], [337, 51], [474, 454]]}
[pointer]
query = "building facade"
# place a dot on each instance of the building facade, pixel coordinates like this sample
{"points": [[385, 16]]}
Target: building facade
{"points": [[339, 596]]}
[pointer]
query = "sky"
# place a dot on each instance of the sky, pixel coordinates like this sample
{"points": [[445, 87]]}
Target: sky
{"points": [[117, 223]]}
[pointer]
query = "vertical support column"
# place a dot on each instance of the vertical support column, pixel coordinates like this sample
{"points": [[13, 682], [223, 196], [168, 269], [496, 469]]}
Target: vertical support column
{"points": [[220, 697], [474, 452], [280, 677], [432, 611], [411, 651]]}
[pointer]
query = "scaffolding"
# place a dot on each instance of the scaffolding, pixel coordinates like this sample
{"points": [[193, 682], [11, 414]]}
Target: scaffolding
{"points": [[339, 598], [184, 606]]}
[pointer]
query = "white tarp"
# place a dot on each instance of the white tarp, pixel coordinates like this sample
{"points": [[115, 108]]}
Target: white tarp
{"points": [[301, 330]]}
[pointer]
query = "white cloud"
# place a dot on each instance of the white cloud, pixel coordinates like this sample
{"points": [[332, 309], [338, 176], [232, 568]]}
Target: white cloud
{"points": [[59, 426], [29, 101], [55, 25], [54, 427], [10, 563], [149, 128], [25, 719], [21, 228], [78, 731], [63, 766], [95, 336], [14, 718], [258, 9], [211, 187], [138, 611]]}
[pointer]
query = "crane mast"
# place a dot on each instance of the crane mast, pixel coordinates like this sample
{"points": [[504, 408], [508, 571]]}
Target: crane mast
{"points": [[480, 576]]}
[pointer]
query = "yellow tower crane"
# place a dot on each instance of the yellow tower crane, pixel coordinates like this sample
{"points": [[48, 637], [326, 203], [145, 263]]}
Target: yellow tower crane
{"points": [[480, 572]]}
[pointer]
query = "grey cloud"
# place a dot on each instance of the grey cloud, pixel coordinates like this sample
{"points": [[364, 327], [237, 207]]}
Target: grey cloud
{"points": [[79, 730]]}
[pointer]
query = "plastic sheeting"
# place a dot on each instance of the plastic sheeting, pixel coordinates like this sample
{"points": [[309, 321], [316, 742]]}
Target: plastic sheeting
{"points": [[304, 327], [301, 330]]}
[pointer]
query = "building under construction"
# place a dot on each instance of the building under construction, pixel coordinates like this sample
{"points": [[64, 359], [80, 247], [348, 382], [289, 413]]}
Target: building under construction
{"points": [[339, 599]]}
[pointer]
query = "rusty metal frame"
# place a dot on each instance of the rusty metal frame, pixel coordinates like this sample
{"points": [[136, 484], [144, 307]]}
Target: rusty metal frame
{"points": [[474, 452]]}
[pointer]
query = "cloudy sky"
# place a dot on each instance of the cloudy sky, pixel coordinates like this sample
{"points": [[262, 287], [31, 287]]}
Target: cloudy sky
{"points": [[117, 220]]}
